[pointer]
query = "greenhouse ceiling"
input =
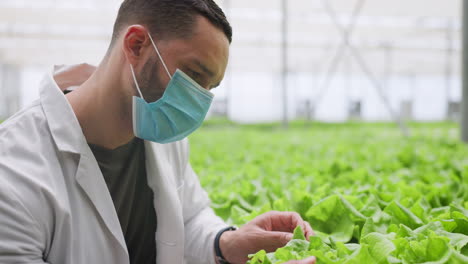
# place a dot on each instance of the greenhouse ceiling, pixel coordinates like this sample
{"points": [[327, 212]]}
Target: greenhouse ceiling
{"points": [[419, 33]]}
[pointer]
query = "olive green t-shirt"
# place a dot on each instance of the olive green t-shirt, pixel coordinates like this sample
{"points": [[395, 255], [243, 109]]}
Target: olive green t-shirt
{"points": [[125, 175]]}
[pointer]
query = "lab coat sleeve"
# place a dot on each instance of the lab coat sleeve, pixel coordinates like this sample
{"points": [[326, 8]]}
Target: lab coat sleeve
{"points": [[21, 241], [201, 223]]}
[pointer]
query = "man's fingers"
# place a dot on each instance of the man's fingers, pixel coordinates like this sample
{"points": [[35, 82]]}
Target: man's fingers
{"points": [[275, 221], [308, 230], [309, 260], [285, 221], [276, 240]]}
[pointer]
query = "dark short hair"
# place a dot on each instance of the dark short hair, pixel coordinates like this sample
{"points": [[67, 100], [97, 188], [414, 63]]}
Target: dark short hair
{"points": [[170, 18]]}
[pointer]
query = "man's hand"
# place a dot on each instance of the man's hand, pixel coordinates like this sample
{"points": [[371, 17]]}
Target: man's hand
{"points": [[309, 260], [269, 231]]}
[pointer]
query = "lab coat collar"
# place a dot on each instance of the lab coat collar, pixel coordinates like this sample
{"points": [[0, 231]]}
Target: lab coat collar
{"points": [[63, 124]]}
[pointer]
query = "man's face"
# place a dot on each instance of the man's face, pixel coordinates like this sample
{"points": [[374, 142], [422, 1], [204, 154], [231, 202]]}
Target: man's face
{"points": [[203, 57]]}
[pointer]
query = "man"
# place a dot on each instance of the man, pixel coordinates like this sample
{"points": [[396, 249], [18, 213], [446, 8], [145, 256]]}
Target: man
{"points": [[102, 175]]}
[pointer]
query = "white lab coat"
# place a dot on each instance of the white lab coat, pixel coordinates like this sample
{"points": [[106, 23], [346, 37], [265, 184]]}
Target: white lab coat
{"points": [[55, 206]]}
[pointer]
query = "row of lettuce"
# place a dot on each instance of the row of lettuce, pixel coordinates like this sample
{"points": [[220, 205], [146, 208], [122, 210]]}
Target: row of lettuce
{"points": [[371, 195]]}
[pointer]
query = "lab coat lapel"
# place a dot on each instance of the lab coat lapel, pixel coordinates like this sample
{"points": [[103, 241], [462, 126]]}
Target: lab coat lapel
{"points": [[170, 230], [90, 178]]}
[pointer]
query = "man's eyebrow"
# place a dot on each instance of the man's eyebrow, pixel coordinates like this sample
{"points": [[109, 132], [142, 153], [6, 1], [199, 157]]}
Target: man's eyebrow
{"points": [[204, 68]]}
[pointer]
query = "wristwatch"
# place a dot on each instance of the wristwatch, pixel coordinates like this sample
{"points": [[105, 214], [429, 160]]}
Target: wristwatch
{"points": [[219, 255]]}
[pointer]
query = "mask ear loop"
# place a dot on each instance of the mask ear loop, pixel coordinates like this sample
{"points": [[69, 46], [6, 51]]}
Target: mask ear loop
{"points": [[160, 57], [136, 82]]}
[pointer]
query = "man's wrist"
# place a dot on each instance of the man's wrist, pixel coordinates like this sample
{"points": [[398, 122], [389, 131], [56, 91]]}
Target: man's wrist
{"points": [[222, 245]]}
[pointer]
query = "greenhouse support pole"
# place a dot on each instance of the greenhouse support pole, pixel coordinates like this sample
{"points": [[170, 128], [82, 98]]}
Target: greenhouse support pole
{"points": [[228, 82], [464, 121], [448, 68], [388, 65], [284, 62], [10, 97]]}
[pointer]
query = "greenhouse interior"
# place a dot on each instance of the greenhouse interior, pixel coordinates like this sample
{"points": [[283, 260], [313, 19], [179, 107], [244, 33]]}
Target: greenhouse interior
{"points": [[351, 114]]}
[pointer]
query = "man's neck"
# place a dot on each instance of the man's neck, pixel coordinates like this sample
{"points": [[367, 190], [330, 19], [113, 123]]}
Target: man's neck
{"points": [[102, 109]]}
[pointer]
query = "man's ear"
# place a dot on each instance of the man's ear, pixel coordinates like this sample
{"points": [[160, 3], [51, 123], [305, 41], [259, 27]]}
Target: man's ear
{"points": [[134, 41]]}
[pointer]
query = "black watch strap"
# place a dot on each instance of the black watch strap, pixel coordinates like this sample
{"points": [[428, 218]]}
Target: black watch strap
{"points": [[219, 255]]}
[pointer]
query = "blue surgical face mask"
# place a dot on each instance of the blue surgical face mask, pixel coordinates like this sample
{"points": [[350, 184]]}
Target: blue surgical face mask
{"points": [[179, 112]]}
